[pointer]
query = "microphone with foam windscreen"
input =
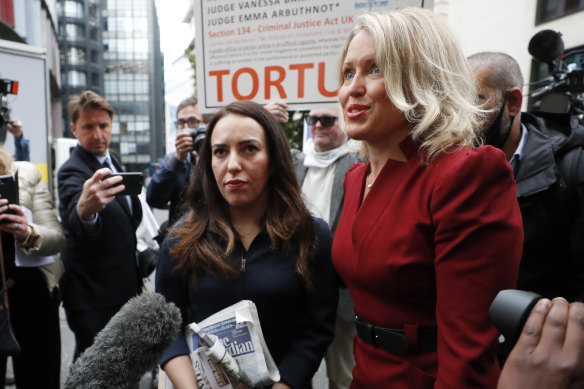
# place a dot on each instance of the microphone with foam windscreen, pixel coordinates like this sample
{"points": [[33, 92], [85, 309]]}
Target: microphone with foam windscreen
{"points": [[130, 345]]}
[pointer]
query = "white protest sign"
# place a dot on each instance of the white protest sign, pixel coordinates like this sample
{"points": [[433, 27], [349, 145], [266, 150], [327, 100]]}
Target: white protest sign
{"points": [[264, 50]]}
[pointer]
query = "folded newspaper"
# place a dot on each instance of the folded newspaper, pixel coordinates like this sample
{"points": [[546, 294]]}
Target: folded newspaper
{"points": [[228, 350]]}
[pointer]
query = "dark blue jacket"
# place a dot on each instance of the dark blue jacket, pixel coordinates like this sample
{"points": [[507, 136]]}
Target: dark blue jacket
{"points": [[297, 324], [168, 185]]}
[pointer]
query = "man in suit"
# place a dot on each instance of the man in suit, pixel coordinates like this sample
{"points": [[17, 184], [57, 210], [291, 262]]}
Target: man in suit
{"points": [[101, 272], [321, 173]]}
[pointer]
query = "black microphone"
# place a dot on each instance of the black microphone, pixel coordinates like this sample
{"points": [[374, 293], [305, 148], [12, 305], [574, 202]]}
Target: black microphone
{"points": [[130, 345]]}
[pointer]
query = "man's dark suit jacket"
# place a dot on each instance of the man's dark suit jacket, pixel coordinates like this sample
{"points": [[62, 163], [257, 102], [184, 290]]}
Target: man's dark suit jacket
{"points": [[100, 267]]}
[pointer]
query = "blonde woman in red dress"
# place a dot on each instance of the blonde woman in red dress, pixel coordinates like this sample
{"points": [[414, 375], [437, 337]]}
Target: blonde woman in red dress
{"points": [[430, 229]]}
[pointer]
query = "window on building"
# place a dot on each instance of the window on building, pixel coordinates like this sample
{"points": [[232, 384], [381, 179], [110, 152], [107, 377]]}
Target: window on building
{"points": [[76, 78], [141, 87], [553, 9], [95, 80], [75, 32], [75, 56], [141, 45], [141, 24], [72, 9], [93, 10], [127, 148], [124, 4], [143, 127], [72, 31]]}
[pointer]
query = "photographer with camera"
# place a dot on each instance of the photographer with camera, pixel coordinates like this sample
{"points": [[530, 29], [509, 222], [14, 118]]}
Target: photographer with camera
{"points": [[171, 180], [21, 144], [14, 126]]}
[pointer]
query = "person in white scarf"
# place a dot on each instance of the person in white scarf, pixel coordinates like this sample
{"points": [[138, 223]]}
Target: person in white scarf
{"points": [[329, 143], [321, 172]]}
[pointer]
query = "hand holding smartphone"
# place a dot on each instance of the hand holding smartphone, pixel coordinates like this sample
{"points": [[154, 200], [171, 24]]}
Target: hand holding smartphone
{"points": [[133, 181], [9, 191]]}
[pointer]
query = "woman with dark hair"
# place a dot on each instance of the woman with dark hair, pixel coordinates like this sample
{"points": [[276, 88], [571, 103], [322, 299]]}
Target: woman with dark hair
{"points": [[248, 235]]}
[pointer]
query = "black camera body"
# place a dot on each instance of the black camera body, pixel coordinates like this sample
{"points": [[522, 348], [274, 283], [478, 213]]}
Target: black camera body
{"points": [[6, 87], [564, 91], [198, 134], [509, 312]]}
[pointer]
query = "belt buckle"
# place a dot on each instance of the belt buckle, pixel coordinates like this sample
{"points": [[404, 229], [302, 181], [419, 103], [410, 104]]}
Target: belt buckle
{"points": [[390, 340], [399, 343], [383, 338], [365, 330]]}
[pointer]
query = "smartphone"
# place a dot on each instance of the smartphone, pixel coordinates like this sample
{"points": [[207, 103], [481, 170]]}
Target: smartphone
{"points": [[9, 190], [133, 182]]}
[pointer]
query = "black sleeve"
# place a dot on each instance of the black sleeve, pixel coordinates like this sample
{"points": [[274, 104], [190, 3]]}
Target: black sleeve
{"points": [[577, 231], [173, 287], [316, 318], [71, 180]]}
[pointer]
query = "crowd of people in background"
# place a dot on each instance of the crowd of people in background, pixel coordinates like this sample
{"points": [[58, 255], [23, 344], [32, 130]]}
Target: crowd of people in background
{"points": [[380, 257]]}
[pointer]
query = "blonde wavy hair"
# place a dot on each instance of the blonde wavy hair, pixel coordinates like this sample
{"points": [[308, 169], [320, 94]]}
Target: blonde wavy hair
{"points": [[426, 77], [5, 162]]}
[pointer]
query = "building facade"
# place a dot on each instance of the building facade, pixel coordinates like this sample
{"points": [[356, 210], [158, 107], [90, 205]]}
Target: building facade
{"points": [[34, 23], [81, 50], [113, 48]]}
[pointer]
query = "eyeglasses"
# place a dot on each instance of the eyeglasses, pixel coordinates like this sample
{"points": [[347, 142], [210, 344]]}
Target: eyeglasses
{"points": [[192, 122], [325, 121]]}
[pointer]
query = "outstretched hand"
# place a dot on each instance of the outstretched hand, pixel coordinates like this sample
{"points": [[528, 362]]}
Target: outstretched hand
{"points": [[98, 191], [550, 350]]}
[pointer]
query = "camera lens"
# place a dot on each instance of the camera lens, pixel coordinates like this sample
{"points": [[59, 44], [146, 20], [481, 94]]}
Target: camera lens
{"points": [[510, 310], [198, 135]]}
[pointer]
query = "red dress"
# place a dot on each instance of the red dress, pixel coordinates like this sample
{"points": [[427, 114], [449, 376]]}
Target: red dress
{"points": [[430, 246]]}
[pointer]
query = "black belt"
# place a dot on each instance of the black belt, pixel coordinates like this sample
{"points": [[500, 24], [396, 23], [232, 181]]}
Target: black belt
{"points": [[395, 341]]}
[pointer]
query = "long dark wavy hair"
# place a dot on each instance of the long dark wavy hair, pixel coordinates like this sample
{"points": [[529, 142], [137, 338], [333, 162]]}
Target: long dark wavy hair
{"points": [[206, 237]]}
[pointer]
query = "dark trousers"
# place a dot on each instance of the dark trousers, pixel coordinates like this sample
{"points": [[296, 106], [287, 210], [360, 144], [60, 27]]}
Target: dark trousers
{"points": [[87, 324], [34, 315]]}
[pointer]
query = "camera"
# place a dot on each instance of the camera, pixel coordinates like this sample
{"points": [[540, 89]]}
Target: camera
{"points": [[198, 134], [564, 90], [6, 87], [509, 312]]}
